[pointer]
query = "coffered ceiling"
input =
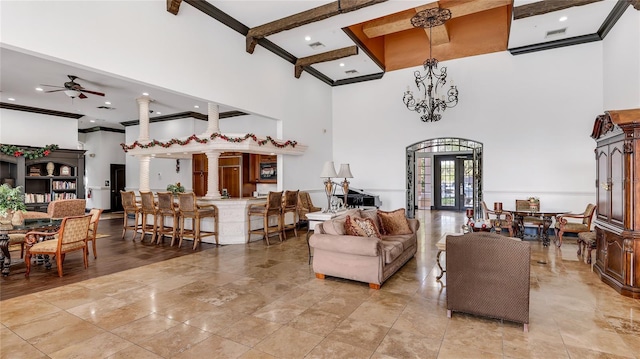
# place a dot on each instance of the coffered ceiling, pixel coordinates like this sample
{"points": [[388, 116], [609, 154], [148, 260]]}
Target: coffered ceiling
{"points": [[338, 42]]}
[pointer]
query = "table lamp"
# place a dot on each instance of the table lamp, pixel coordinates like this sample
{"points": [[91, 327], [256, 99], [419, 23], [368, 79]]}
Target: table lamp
{"points": [[345, 172], [328, 172]]}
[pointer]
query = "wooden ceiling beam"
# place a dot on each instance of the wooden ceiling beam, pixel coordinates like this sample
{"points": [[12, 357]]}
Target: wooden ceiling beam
{"points": [[173, 6], [323, 57], [546, 6], [304, 18], [402, 21], [439, 34]]}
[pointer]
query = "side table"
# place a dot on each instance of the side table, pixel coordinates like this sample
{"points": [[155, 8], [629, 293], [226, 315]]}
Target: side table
{"points": [[315, 218], [442, 247]]}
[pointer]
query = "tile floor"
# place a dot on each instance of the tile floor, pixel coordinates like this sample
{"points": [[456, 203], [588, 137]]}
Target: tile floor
{"points": [[250, 301]]}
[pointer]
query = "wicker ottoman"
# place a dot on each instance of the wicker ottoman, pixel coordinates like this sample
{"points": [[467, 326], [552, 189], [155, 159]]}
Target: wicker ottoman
{"points": [[586, 240]]}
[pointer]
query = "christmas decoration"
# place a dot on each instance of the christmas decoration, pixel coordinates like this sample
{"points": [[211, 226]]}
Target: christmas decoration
{"points": [[31, 154], [175, 141]]}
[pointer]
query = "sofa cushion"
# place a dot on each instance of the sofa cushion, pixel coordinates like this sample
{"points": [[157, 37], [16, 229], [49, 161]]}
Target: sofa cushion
{"points": [[407, 240], [391, 250], [363, 227], [394, 222], [335, 227]]}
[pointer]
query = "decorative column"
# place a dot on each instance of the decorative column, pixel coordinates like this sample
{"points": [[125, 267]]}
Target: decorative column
{"points": [[213, 123], [212, 181], [144, 173], [143, 115]]}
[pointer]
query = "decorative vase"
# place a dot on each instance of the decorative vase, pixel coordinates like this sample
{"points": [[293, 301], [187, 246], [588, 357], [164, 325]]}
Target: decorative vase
{"points": [[50, 167], [17, 219]]}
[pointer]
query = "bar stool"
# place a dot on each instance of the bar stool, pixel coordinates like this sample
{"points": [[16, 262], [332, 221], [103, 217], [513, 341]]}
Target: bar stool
{"points": [[148, 209], [166, 208], [130, 208], [290, 205], [273, 207], [93, 229], [190, 209]]}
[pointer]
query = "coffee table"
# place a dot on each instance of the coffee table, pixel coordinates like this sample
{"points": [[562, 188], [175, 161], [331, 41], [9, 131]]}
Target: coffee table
{"points": [[35, 224]]}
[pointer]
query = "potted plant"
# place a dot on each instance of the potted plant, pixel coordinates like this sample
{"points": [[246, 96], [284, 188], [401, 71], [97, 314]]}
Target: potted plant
{"points": [[11, 201], [175, 188]]}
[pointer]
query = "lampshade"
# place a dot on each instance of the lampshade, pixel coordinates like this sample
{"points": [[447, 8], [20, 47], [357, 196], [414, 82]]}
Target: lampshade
{"points": [[72, 93], [345, 171], [328, 170]]}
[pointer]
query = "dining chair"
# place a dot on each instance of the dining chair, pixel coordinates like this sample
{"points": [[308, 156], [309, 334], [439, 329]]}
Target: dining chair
{"points": [[289, 205], [523, 205], [72, 236], [131, 208], [504, 220], [148, 208], [272, 208], [93, 229], [166, 209], [189, 208], [564, 226]]}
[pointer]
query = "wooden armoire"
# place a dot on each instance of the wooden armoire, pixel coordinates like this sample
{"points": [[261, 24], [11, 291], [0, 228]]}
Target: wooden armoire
{"points": [[617, 223]]}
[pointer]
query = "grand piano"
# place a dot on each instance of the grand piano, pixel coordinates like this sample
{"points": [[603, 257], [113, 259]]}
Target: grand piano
{"points": [[360, 198]]}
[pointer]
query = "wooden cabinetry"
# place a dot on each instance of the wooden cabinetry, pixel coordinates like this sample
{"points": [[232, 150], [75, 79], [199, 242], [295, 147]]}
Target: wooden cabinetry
{"points": [[235, 174], [264, 168], [57, 176], [617, 223]]}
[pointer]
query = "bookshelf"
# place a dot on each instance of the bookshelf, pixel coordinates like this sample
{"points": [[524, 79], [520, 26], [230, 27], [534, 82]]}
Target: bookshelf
{"points": [[57, 176]]}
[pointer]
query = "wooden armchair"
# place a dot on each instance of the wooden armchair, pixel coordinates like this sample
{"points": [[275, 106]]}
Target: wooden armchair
{"points": [[72, 236], [305, 205], [563, 225], [503, 221], [523, 205]]}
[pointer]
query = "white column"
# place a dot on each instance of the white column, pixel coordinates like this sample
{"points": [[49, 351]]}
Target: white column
{"points": [[212, 181], [213, 123], [144, 172], [143, 115]]}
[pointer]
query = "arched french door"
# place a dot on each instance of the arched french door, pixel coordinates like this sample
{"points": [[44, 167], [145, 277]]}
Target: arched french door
{"points": [[444, 173]]}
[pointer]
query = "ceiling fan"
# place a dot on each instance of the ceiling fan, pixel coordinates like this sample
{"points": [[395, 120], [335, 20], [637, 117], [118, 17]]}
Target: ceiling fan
{"points": [[74, 89]]}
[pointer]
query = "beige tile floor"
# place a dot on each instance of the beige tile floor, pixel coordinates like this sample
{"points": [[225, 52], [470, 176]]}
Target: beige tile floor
{"points": [[250, 301]]}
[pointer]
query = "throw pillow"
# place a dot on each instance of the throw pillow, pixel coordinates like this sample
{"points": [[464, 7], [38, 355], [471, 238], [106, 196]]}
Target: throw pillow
{"points": [[373, 215], [352, 229], [394, 222]]}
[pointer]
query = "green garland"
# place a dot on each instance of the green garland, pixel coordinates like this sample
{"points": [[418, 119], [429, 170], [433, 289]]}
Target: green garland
{"points": [[195, 138], [16, 151]]}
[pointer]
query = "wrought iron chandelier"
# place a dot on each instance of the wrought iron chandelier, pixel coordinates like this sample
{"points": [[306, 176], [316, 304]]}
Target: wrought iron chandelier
{"points": [[430, 104]]}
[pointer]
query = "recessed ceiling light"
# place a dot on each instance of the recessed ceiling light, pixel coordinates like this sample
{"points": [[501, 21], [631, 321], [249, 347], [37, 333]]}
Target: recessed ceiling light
{"points": [[307, 38], [145, 94], [563, 18], [342, 64], [39, 89], [196, 106], [159, 113], [107, 103], [11, 99], [92, 120]]}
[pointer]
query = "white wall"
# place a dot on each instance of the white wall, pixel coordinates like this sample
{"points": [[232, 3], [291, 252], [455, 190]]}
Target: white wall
{"points": [[200, 58], [32, 129], [532, 112], [101, 151], [621, 53]]}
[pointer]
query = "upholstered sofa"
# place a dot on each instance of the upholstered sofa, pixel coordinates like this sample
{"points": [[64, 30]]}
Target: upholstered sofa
{"points": [[488, 275], [370, 259], [60, 208]]}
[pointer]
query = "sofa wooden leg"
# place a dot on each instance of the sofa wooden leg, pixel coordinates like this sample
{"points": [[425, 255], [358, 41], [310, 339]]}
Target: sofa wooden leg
{"points": [[448, 313], [319, 275], [374, 286]]}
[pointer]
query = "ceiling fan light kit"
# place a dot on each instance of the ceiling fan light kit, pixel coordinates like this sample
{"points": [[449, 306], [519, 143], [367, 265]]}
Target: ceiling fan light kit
{"points": [[73, 89], [431, 103]]}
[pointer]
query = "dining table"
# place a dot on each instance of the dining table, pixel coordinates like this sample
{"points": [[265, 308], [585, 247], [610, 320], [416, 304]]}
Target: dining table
{"points": [[47, 225], [546, 216]]}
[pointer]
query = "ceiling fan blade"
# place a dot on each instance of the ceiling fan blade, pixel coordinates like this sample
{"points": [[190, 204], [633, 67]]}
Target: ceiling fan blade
{"points": [[55, 90], [52, 86], [82, 95], [93, 92]]}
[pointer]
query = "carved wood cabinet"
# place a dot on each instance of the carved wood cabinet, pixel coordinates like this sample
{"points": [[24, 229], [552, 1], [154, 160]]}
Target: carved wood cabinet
{"points": [[617, 223]]}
